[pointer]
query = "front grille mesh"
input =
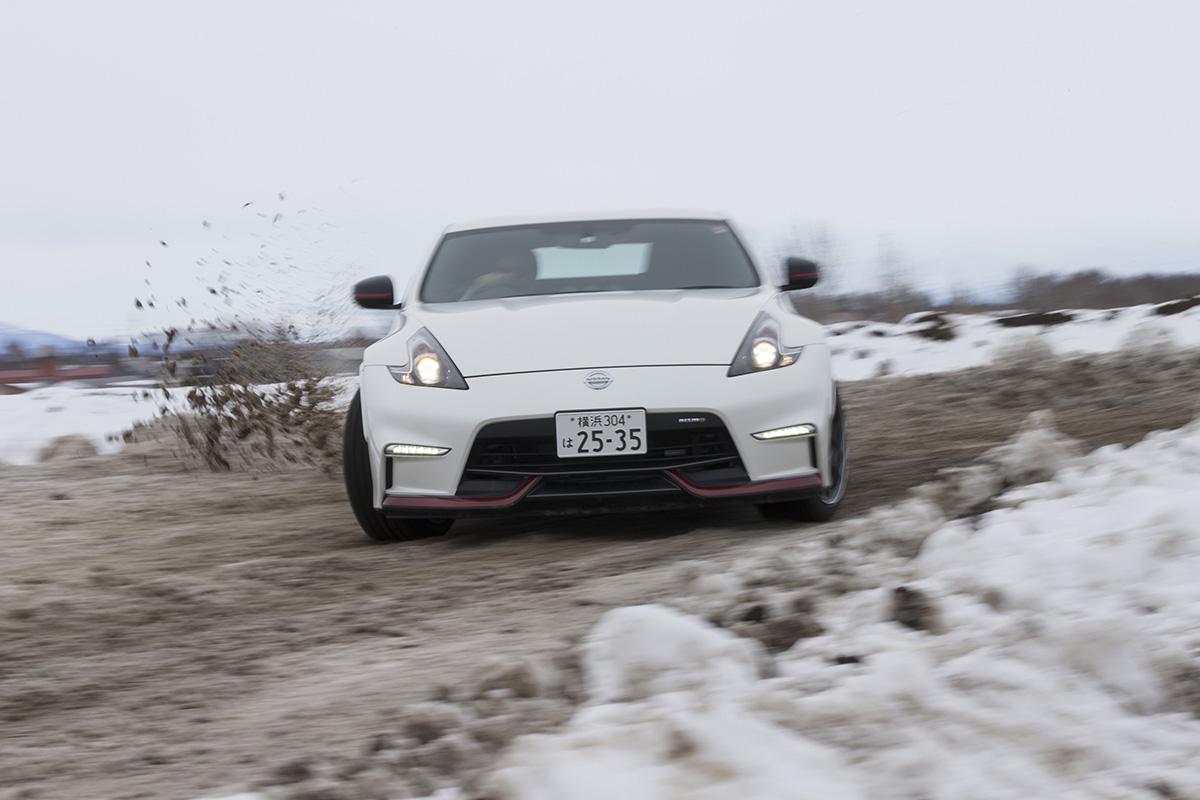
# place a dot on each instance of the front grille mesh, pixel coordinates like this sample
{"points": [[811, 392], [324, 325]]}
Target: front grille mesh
{"points": [[698, 447], [527, 447]]}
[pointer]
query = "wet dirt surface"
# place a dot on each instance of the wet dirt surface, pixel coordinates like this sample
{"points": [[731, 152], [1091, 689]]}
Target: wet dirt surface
{"points": [[165, 631]]}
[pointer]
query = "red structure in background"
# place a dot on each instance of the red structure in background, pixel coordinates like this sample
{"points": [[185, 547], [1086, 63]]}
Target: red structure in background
{"points": [[50, 369]]}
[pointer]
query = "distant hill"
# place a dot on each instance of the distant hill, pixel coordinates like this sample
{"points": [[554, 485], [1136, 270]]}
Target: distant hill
{"points": [[33, 343]]}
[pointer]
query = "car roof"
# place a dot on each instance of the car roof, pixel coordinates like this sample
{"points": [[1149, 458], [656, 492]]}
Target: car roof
{"points": [[584, 216]]}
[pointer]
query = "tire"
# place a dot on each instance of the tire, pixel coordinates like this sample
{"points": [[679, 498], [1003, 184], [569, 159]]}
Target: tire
{"points": [[356, 469], [822, 507]]}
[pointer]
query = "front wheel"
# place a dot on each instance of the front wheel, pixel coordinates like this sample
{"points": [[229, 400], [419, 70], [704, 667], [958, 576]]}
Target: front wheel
{"points": [[356, 469], [823, 506]]}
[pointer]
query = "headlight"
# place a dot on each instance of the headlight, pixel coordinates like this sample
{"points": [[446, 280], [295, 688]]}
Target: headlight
{"points": [[429, 369], [761, 349], [428, 364], [764, 354]]}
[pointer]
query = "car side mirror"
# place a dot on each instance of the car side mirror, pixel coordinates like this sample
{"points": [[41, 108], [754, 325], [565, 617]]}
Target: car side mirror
{"points": [[375, 292], [801, 274]]}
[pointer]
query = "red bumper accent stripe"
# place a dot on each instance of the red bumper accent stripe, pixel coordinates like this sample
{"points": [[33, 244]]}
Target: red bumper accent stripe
{"points": [[463, 503], [742, 489]]}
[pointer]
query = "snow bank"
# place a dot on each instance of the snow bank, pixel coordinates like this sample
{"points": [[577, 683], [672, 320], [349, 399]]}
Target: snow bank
{"points": [[1065, 663], [640, 651], [926, 343], [32, 420], [661, 749]]}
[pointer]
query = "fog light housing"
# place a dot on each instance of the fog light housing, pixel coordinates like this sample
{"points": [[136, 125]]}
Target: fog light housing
{"points": [[414, 451], [789, 432]]}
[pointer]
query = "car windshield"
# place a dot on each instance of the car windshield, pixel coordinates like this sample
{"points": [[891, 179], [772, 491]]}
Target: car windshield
{"points": [[572, 257]]}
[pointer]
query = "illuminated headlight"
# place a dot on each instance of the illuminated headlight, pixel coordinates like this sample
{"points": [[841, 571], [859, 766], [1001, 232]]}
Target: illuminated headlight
{"points": [[429, 369], [790, 432], [761, 349], [428, 364], [764, 354], [419, 450]]}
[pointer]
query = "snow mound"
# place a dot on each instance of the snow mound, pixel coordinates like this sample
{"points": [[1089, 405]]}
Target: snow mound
{"points": [[1036, 453], [926, 343], [66, 448], [1022, 350], [664, 749], [1150, 336], [30, 422], [640, 651], [1048, 648]]}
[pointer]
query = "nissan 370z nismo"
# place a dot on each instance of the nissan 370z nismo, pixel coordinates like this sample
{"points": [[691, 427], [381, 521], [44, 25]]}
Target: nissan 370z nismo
{"points": [[604, 363]]}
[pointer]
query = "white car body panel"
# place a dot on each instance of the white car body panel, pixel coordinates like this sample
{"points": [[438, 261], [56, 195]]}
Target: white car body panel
{"points": [[575, 331], [746, 404], [526, 358]]}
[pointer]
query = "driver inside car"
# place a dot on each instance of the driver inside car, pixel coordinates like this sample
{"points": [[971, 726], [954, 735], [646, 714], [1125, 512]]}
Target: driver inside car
{"points": [[512, 273]]}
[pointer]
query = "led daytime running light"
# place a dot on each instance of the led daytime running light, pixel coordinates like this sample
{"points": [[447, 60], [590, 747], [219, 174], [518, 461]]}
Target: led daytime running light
{"points": [[788, 432], [414, 450]]}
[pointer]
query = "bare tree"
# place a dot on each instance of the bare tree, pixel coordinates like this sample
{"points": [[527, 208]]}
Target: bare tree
{"points": [[1097, 289], [891, 271]]}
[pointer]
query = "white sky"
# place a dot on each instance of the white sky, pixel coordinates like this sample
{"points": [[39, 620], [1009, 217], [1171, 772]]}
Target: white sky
{"points": [[976, 135]]}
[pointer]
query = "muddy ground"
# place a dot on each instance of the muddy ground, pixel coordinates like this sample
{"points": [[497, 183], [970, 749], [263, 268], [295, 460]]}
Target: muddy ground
{"points": [[167, 632]]}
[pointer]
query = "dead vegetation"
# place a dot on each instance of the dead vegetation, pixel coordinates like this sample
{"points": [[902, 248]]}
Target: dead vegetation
{"points": [[268, 402], [935, 327], [1029, 291], [1037, 318], [1177, 306], [1097, 289]]}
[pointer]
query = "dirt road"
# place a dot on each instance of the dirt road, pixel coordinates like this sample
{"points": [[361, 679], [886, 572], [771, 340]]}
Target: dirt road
{"points": [[165, 632]]}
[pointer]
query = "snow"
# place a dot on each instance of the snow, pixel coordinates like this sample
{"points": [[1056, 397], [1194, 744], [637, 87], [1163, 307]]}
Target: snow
{"points": [[31, 420], [640, 651], [1037, 452], [672, 747], [873, 349], [1067, 665]]}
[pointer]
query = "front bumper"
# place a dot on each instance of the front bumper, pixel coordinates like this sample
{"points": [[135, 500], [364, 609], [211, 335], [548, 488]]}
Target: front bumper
{"points": [[458, 483], [526, 499]]}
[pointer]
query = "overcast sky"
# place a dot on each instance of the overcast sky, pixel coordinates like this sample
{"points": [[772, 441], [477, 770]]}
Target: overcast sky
{"points": [[974, 135]]}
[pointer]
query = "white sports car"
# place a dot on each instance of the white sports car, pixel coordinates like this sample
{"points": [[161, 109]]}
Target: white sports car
{"points": [[599, 363]]}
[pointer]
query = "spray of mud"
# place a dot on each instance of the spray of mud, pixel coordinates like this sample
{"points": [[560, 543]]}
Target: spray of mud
{"points": [[240, 377]]}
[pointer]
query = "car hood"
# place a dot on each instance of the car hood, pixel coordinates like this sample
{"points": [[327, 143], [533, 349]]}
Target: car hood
{"points": [[584, 331]]}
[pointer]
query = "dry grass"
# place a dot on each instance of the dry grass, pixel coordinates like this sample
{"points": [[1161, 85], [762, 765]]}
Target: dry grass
{"points": [[269, 402]]}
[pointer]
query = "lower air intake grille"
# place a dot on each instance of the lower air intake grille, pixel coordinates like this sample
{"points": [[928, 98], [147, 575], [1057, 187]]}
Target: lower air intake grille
{"points": [[675, 440]]}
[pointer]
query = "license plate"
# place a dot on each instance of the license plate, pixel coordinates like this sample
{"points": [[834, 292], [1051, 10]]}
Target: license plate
{"points": [[601, 433]]}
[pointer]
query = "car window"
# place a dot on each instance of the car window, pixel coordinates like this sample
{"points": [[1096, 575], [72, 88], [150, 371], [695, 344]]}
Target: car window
{"points": [[590, 256]]}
